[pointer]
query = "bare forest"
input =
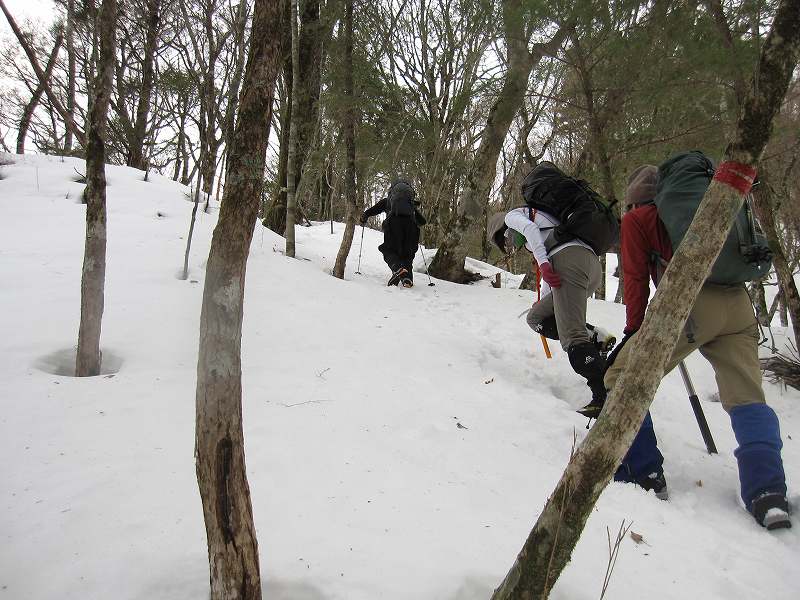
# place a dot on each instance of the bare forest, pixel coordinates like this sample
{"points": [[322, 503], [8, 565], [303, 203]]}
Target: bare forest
{"points": [[282, 113]]}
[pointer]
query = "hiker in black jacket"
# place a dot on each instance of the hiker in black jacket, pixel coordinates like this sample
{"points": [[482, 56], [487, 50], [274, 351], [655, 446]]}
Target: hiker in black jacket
{"points": [[400, 230]]}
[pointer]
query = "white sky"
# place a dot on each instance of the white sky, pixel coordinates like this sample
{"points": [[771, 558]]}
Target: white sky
{"points": [[26, 9]]}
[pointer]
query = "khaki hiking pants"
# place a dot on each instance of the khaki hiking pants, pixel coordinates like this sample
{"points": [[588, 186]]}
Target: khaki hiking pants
{"points": [[581, 275], [723, 327]]}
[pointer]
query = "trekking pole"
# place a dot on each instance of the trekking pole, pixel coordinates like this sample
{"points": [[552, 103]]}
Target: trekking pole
{"points": [[430, 283], [360, 246], [698, 410], [538, 298]]}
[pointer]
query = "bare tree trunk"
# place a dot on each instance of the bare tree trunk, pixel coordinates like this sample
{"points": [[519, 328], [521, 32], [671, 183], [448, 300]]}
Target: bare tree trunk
{"points": [[550, 544], [27, 113], [219, 442], [758, 298], [69, 122], [275, 218], [764, 210], [449, 260], [137, 156], [349, 126], [529, 281], [783, 313], [191, 229], [71, 71], [94, 258], [600, 292], [291, 167], [619, 296]]}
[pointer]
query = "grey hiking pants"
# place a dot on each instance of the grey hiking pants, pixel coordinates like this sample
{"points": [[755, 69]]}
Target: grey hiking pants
{"points": [[579, 269]]}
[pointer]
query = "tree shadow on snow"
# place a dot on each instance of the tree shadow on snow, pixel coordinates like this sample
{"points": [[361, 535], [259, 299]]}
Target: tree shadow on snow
{"points": [[62, 362]]}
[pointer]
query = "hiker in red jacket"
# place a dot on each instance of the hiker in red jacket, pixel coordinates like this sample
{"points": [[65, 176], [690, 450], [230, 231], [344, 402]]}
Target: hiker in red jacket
{"points": [[723, 327]]}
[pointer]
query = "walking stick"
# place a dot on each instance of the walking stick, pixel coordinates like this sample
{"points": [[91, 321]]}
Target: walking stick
{"points": [[698, 410], [538, 298], [430, 282], [360, 246]]}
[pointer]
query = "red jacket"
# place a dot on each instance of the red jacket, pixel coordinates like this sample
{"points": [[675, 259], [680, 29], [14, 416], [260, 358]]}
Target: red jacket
{"points": [[643, 238]]}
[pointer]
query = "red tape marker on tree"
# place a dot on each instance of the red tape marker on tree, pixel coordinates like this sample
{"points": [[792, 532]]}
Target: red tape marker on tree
{"points": [[737, 175]]}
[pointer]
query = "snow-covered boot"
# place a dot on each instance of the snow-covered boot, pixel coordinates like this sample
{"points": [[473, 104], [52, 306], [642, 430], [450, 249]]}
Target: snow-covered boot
{"points": [[397, 276], [771, 510], [406, 282], [601, 338]]}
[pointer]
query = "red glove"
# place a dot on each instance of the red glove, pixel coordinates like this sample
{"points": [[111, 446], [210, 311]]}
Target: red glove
{"points": [[550, 276]]}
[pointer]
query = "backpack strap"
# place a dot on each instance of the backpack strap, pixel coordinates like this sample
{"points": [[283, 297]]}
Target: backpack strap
{"points": [[532, 216]]}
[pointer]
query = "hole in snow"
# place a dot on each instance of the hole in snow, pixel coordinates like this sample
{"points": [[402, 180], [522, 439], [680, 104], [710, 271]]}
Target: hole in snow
{"points": [[62, 362]]}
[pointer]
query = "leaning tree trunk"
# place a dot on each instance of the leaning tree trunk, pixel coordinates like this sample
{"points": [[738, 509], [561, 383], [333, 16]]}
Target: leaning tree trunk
{"points": [[349, 127], [138, 157], [219, 440], [550, 544], [30, 107], [449, 260], [94, 257], [291, 164], [69, 122]]}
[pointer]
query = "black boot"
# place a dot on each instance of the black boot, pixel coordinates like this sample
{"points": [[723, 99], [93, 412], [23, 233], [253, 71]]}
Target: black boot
{"points": [[771, 510], [587, 362], [599, 394]]}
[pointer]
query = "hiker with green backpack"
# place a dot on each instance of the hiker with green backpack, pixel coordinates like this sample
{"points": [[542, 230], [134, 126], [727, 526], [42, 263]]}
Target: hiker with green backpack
{"points": [[400, 230], [721, 325], [566, 226]]}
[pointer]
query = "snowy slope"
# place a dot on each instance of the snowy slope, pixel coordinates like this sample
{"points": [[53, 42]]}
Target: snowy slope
{"points": [[364, 485]]}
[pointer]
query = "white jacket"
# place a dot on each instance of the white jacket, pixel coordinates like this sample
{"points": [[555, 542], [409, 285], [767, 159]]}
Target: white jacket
{"points": [[519, 220]]}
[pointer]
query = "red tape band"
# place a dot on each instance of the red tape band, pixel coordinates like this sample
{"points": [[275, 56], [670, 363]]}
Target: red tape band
{"points": [[737, 175]]}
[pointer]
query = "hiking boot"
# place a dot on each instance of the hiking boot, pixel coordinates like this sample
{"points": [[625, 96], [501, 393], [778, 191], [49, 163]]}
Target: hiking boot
{"points": [[399, 274], [771, 510], [592, 410], [654, 481], [599, 395], [601, 338], [406, 282]]}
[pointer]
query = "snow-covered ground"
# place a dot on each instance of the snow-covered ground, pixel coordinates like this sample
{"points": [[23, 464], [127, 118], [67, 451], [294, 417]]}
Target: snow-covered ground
{"points": [[400, 443]]}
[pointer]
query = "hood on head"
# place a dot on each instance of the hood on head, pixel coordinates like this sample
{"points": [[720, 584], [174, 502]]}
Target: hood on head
{"points": [[641, 185]]}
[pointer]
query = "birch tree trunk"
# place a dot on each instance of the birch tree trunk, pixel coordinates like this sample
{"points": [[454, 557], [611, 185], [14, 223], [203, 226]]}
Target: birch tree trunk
{"points": [[138, 157], [219, 439], [449, 260], [291, 169], [94, 257], [349, 126], [550, 544]]}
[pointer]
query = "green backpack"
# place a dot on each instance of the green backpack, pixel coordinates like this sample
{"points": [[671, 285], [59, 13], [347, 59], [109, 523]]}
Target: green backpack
{"points": [[682, 182]]}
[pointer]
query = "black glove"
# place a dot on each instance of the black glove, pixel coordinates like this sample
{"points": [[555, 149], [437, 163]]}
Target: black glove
{"points": [[613, 355], [363, 220]]}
